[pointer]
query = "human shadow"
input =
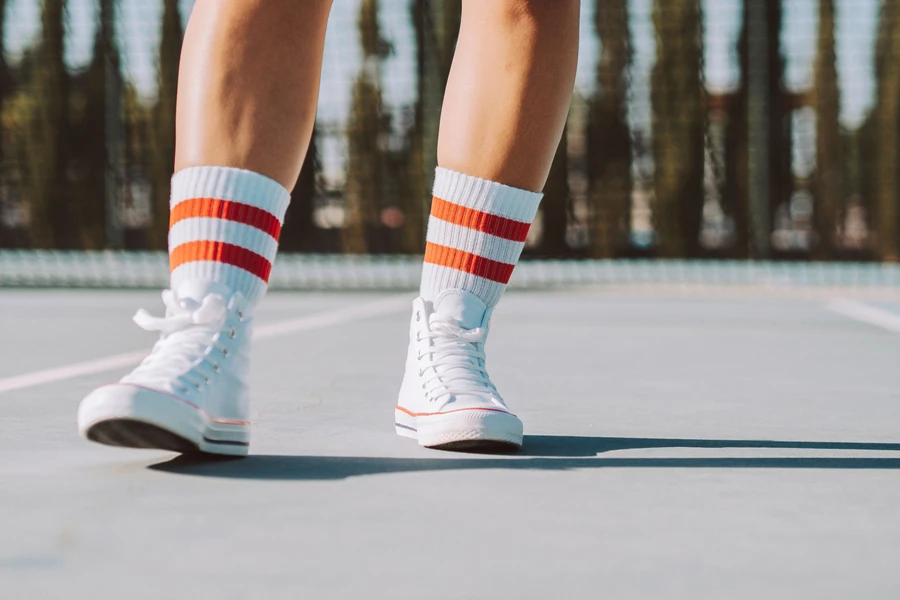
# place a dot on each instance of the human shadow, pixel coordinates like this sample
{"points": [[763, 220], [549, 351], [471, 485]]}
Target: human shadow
{"points": [[540, 452]]}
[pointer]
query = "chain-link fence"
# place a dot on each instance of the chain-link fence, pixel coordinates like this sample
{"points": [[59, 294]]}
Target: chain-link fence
{"points": [[698, 129]]}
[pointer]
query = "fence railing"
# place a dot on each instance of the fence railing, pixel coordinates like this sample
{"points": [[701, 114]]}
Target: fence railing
{"points": [[699, 128], [303, 272]]}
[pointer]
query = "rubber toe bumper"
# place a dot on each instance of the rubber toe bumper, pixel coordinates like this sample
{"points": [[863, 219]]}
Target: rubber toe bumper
{"points": [[466, 429]]}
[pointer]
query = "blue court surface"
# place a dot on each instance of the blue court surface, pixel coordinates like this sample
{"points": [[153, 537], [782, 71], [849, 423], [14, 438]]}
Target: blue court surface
{"points": [[710, 443]]}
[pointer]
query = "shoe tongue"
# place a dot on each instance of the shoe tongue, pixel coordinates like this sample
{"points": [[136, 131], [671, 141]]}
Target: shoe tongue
{"points": [[192, 292], [460, 308]]}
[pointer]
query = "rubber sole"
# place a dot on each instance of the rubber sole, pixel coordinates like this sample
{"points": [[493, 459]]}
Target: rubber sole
{"points": [[479, 447], [134, 417], [482, 431], [128, 433]]}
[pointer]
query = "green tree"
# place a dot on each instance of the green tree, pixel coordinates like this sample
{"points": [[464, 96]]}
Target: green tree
{"points": [[436, 23], [137, 154], [163, 130], [778, 150], [609, 137], [884, 128], [6, 88], [736, 189], [91, 107], [299, 231], [45, 145], [555, 205], [677, 99], [826, 99], [6, 81], [366, 167], [781, 176]]}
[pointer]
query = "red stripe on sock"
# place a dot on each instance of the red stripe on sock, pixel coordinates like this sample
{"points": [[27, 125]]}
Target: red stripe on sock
{"points": [[236, 212], [508, 229], [467, 262], [228, 254]]}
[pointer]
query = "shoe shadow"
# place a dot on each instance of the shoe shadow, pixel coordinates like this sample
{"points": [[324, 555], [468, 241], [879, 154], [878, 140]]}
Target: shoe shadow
{"points": [[540, 452]]}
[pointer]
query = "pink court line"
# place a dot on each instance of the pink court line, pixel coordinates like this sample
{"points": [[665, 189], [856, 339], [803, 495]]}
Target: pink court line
{"points": [[320, 320], [866, 313]]}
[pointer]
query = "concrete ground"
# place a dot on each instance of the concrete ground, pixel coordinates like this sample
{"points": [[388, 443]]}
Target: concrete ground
{"points": [[701, 446]]}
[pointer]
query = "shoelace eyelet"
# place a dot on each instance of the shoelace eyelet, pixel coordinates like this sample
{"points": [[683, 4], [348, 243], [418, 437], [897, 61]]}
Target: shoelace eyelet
{"points": [[215, 367], [421, 372], [233, 333], [225, 352], [418, 316], [418, 336], [240, 315]]}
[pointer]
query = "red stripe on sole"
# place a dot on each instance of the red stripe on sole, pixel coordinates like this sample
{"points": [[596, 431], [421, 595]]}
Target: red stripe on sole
{"points": [[508, 229], [221, 252], [467, 262], [456, 410]]}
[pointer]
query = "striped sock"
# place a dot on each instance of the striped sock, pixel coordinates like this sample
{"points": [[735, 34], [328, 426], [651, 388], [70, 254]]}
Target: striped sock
{"points": [[224, 230], [476, 233]]}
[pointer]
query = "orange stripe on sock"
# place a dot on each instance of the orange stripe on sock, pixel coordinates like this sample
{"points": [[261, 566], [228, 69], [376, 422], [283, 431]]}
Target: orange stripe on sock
{"points": [[235, 212], [466, 262], [508, 229], [228, 254]]}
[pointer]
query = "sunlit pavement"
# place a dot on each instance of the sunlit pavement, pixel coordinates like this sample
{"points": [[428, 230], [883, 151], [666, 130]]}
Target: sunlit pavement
{"points": [[677, 447]]}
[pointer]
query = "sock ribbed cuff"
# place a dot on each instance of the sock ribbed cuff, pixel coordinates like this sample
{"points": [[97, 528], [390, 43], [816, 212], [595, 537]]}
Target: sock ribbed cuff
{"points": [[476, 233], [224, 228]]}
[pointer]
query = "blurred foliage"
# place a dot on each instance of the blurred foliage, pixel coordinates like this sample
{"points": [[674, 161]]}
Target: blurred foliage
{"points": [[883, 132], [85, 160], [609, 138], [678, 127], [826, 101]]}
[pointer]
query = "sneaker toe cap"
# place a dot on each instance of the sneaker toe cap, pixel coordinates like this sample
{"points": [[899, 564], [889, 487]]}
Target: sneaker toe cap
{"points": [[473, 402]]}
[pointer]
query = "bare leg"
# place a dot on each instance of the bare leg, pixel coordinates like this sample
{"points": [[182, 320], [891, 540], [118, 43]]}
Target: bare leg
{"points": [[248, 87], [504, 112], [249, 83], [509, 89]]}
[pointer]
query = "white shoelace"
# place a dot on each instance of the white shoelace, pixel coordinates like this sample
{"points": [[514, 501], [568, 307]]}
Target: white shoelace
{"points": [[181, 358], [457, 362]]}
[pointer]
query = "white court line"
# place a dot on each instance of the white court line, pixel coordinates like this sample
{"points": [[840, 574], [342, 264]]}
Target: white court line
{"points": [[865, 313], [329, 318]]}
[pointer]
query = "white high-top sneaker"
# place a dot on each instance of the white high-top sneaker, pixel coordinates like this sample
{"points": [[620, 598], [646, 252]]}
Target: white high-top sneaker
{"points": [[447, 399], [190, 393]]}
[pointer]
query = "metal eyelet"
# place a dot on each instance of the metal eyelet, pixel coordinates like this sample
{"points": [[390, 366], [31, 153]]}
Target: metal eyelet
{"points": [[233, 333], [197, 385], [206, 379], [240, 315], [418, 336], [418, 316], [423, 386], [225, 352], [421, 372], [216, 367]]}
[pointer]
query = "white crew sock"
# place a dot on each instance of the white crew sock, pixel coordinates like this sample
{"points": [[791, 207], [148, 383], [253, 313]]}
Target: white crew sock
{"points": [[224, 230], [476, 233]]}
